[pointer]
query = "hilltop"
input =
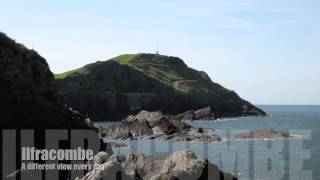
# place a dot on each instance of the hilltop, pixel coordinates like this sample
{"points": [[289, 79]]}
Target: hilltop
{"points": [[127, 84]]}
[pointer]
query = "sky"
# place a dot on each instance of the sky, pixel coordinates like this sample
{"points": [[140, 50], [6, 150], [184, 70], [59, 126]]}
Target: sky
{"points": [[268, 51]]}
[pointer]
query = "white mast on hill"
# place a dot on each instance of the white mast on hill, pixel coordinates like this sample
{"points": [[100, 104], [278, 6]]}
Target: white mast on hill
{"points": [[157, 50]]}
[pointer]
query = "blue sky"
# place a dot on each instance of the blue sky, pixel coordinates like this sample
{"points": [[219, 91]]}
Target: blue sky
{"points": [[268, 51]]}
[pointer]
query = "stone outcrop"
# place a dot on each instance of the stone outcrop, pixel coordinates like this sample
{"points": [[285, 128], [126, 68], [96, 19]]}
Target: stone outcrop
{"points": [[155, 125], [114, 89], [126, 130], [262, 134], [200, 114], [145, 124], [181, 165], [191, 115]]}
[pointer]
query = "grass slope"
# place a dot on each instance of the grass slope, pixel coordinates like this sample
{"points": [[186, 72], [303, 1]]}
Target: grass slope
{"points": [[124, 59], [170, 71]]}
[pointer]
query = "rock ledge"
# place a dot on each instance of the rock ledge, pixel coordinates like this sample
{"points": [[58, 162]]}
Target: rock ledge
{"points": [[263, 134]]}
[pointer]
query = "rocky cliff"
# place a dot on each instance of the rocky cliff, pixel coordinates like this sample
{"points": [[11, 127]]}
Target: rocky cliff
{"points": [[127, 84], [28, 97]]}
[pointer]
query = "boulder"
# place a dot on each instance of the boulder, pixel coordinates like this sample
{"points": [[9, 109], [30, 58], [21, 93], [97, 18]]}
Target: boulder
{"points": [[166, 126], [186, 116], [180, 125], [204, 113], [100, 158], [111, 169], [181, 165], [126, 130], [131, 118], [200, 114], [149, 116], [158, 130]]}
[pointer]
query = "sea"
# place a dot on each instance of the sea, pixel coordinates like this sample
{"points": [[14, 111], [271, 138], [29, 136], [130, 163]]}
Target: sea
{"points": [[297, 158]]}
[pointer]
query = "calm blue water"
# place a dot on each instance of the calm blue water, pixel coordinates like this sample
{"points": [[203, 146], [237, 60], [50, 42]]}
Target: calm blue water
{"points": [[254, 159]]}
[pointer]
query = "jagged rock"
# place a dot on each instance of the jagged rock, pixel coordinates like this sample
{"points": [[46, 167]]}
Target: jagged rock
{"points": [[112, 169], [151, 117], [204, 113], [186, 116], [158, 130], [165, 126], [126, 130], [191, 115], [155, 125], [181, 165], [131, 118], [180, 125], [262, 134]]}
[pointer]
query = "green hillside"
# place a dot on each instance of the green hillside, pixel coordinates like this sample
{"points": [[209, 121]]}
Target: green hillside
{"points": [[170, 71], [132, 82], [124, 59]]}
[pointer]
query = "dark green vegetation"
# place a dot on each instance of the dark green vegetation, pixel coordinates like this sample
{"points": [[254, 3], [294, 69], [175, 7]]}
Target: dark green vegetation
{"points": [[127, 84], [28, 96]]}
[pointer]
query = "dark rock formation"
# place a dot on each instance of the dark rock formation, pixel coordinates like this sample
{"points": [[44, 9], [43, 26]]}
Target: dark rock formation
{"points": [[28, 96], [114, 89], [126, 130], [146, 124], [155, 125], [204, 113], [262, 134], [181, 165], [200, 114]]}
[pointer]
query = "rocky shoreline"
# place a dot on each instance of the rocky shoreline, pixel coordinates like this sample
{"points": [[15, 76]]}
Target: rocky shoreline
{"points": [[181, 165], [158, 126], [155, 125]]}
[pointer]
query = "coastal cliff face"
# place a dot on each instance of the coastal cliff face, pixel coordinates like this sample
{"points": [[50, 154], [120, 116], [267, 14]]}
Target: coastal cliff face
{"points": [[28, 96], [127, 84]]}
